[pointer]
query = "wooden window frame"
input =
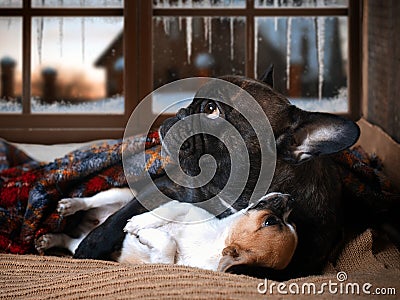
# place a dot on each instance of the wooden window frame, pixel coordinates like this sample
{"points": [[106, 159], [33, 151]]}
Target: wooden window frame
{"points": [[138, 79]]}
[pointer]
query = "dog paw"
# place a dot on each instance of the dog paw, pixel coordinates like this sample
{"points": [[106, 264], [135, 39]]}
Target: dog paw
{"points": [[150, 237], [69, 206], [132, 227], [143, 221], [162, 247], [44, 242]]}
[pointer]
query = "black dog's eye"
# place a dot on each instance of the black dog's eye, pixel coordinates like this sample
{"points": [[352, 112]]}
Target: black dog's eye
{"points": [[211, 109], [270, 221]]}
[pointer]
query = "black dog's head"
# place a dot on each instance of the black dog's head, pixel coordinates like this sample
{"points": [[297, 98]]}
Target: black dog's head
{"points": [[300, 135], [204, 115]]}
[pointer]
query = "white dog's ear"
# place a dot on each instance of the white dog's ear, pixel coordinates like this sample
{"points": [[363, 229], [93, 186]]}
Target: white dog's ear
{"points": [[231, 256], [315, 134]]}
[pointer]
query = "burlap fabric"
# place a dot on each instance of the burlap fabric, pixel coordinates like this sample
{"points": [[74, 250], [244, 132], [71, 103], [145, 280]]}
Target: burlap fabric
{"points": [[367, 259]]}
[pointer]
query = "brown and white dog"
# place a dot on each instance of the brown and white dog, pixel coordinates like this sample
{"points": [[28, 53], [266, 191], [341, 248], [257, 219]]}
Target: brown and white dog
{"points": [[259, 235]]}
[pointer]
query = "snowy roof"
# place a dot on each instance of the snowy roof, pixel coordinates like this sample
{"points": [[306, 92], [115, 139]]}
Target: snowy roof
{"points": [[116, 43], [49, 71], [7, 60]]}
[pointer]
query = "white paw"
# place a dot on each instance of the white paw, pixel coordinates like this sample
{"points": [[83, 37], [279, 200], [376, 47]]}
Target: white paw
{"points": [[154, 238], [149, 237], [131, 228], [143, 221], [44, 242], [149, 246], [69, 206], [161, 246]]}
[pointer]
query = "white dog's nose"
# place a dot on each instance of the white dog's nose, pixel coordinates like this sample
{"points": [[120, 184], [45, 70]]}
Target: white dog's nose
{"points": [[277, 202]]}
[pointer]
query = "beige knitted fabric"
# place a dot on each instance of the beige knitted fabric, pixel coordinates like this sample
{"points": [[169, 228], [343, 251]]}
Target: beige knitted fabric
{"points": [[366, 259]]}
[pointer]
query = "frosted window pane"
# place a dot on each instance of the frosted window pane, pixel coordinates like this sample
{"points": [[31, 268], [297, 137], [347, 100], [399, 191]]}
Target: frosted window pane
{"points": [[78, 3], [10, 3], [10, 64], [199, 3], [312, 68], [77, 65], [197, 46], [300, 3]]}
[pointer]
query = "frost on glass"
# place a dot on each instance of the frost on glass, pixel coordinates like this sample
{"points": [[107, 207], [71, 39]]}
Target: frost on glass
{"points": [[310, 59], [74, 68], [199, 3], [10, 3], [10, 65], [299, 3], [112, 105], [79, 3], [197, 46]]}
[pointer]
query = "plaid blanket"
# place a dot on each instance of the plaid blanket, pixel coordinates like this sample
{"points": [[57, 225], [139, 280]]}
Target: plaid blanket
{"points": [[362, 177], [30, 191]]}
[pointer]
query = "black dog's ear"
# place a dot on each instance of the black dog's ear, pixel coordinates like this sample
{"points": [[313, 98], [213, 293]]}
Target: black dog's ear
{"points": [[268, 76], [316, 134]]}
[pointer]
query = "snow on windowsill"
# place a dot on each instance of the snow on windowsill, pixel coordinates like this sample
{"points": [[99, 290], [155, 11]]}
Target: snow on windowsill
{"points": [[116, 106]]}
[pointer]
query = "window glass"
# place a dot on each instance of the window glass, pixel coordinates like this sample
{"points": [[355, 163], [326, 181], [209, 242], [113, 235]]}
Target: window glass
{"points": [[300, 3], [196, 46], [199, 3], [10, 64], [10, 3], [78, 3], [310, 59], [77, 65]]}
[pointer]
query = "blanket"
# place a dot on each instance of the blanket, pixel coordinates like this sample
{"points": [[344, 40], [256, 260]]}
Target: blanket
{"points": [[366, 267], [365, 185], [30, 191]]}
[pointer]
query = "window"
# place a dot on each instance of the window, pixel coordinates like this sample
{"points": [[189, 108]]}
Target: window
{"points": [[75, 70], [62, 69], [306, 40]]}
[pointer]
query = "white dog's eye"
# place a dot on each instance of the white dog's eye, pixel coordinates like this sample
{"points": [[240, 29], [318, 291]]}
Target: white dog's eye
{"points": [[212, 111], [270, 221]]}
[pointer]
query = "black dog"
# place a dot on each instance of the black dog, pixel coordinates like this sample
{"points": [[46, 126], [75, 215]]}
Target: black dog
{"points": [[304, 141]]}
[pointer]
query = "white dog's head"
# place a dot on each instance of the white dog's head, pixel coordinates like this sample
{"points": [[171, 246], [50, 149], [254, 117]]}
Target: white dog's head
{"points": [[262, 236]]}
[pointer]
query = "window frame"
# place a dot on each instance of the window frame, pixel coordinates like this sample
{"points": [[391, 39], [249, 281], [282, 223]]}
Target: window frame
{"points": [[138, 77], [60, 128]]}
